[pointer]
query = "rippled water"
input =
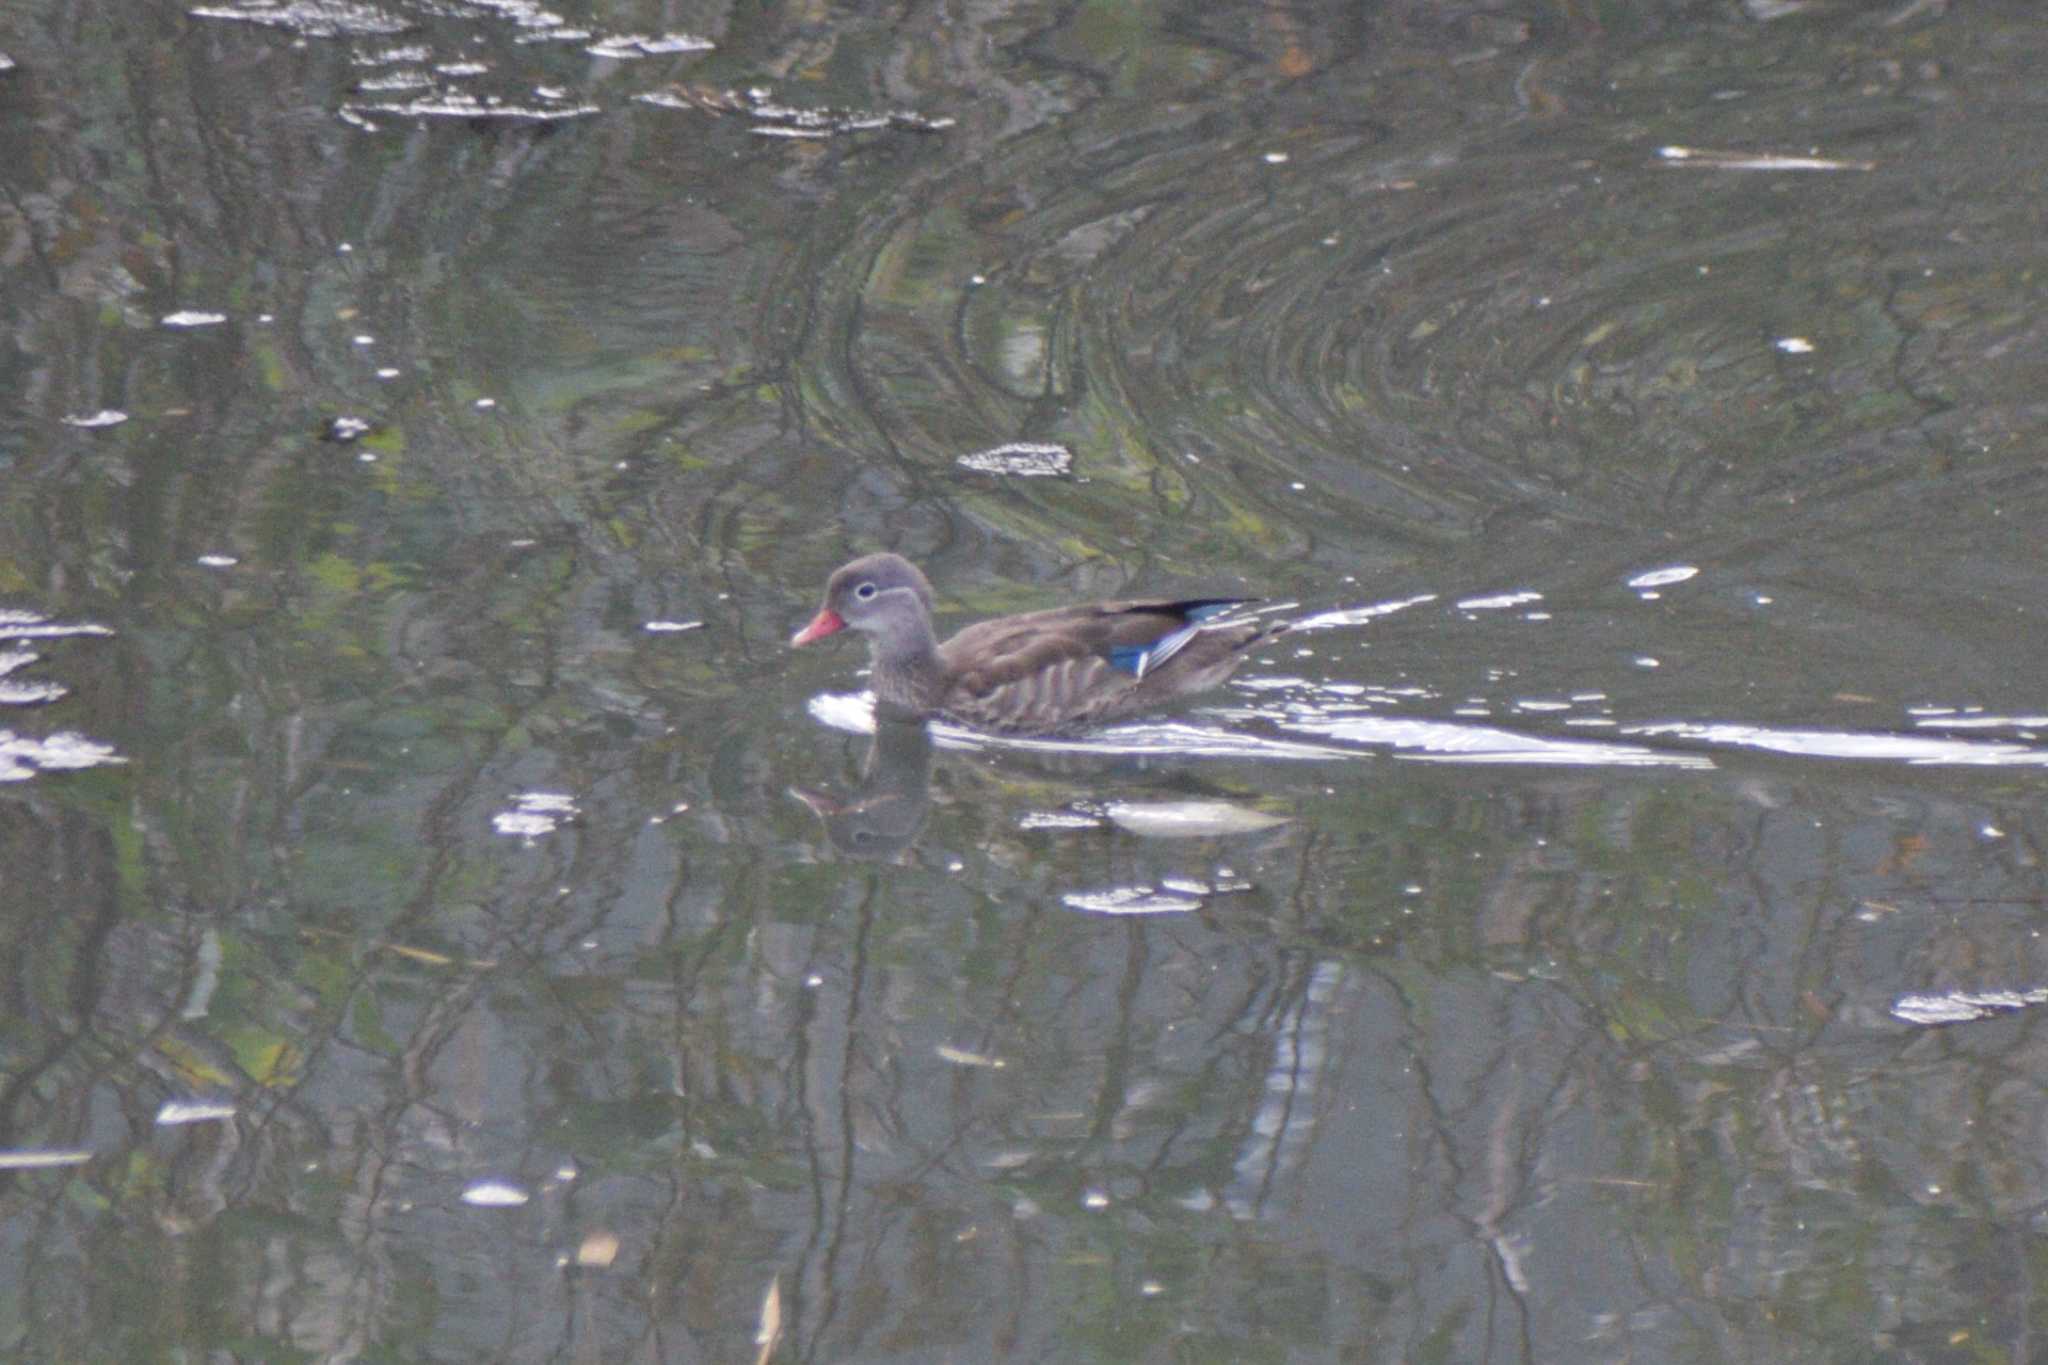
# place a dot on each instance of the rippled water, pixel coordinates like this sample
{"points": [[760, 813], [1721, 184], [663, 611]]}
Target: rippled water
{"points": [[446, 921]]}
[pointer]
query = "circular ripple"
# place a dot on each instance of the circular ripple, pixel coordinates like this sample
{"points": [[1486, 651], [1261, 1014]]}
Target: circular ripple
{"points": [[1307, 335]]}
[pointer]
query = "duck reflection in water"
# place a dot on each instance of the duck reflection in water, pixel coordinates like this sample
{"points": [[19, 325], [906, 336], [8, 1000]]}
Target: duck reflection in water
{"points": [[884, 816]]}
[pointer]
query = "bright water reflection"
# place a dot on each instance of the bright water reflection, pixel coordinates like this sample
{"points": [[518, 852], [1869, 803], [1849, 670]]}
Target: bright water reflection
{"points": [[425, 422]]}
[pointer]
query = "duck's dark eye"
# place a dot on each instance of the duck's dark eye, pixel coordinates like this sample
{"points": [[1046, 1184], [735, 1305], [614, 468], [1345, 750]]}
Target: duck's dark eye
{"points": [[864, 591]]}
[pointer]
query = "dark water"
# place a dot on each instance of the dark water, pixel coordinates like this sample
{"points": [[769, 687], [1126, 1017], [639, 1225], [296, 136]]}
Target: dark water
{"points": [[444, 921]]}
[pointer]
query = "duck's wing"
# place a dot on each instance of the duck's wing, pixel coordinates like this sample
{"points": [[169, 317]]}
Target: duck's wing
{"points": [[1071, 666]]}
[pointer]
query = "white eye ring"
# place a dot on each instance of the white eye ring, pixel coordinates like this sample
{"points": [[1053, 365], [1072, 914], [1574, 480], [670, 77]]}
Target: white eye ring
{"points": [[864, 591]]}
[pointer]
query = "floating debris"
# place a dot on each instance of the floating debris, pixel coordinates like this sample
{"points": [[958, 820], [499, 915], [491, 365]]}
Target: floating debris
{"points": [[536, 813], [309, 18], [193, 318], [557, 35], [23, 756], [627, 46], [962, 1057], [1658, 578], [105, 417], [26, 693], [1227, 883], [458, 105], [1130, 900], [495, 1194], [1501, 601], [773, 119], [344, 429], [598, 1249], [1024, 459], [1793, 345], [1755, 161], [670, 627], [1962, 1007], [16, 624], [391, 56], [42, 1158], [218, 561], [398, 82], [175, 1112], [768, 1335]]}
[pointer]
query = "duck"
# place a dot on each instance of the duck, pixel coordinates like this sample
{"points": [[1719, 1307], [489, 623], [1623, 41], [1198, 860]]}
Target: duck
{"points": [[1047, 672]]}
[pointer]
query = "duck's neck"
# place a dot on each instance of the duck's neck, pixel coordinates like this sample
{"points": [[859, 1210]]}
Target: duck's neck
{"points": [[907, 671]]}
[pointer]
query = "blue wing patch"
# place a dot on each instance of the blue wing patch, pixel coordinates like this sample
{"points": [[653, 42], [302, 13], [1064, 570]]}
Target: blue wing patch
{"points": [[1142, 659], [1129, 658]]}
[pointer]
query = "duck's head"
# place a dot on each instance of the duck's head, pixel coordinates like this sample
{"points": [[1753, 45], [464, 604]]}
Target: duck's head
{"points": [[882, 595]]}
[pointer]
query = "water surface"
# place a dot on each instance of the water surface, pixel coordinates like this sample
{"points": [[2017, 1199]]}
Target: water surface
{"points": [[446, 922]]}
